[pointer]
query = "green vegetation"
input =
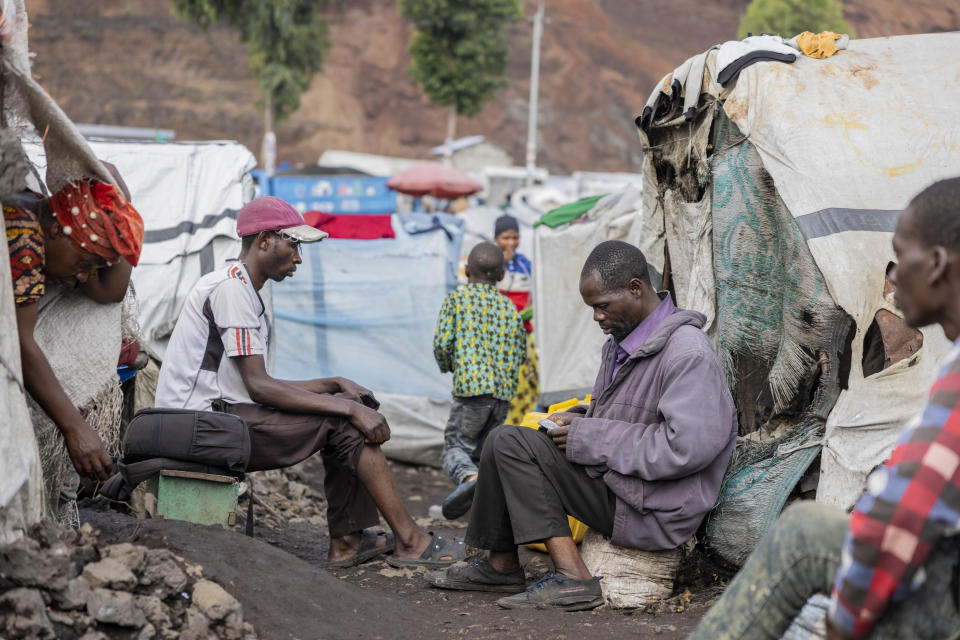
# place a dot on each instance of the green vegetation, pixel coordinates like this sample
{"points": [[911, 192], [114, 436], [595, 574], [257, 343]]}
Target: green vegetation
{"points": [[460, 49], [285, 40], [787, 18]]}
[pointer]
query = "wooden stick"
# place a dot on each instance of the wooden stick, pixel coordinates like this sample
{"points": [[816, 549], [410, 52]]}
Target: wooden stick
{"points": [[263, 503]]}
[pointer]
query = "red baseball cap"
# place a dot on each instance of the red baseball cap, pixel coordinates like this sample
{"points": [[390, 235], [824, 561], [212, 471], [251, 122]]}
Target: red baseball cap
{"points": [[268, 213]]}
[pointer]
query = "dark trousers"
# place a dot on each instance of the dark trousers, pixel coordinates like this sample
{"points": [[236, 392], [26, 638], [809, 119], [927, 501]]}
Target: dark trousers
{"points": [[280, 439], [526, 489], [471, 419]]}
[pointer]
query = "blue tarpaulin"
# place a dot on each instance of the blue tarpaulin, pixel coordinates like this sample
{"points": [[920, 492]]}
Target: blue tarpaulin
{"points": [[366, 310]]}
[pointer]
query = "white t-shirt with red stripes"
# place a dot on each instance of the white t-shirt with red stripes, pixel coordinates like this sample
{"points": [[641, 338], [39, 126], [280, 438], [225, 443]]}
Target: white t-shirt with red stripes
{"points": [[222, 318]]}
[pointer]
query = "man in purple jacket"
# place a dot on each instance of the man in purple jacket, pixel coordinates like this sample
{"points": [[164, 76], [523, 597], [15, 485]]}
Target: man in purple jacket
{"points": [[643, 464]]}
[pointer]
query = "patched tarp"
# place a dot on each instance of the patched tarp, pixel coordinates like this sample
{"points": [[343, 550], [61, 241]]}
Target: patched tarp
{"points": [[848, 141], [798, 172]]}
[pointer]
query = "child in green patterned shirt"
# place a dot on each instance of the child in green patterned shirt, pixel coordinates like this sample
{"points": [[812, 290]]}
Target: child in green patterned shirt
{"points": [[480, 338]]}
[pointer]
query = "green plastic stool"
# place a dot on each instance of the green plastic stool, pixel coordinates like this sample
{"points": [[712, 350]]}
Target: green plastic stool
{"points": [[201, 498]]}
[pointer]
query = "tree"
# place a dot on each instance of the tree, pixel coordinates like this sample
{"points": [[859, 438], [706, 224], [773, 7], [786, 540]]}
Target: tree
{"points": [[285, 41], [787, 18], [459, 51]]}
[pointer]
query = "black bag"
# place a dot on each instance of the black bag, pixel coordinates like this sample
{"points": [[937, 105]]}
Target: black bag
{"points": [[179, 439], [211, 438]]}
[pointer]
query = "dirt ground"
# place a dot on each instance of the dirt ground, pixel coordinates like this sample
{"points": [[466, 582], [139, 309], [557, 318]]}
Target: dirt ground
{"points": [[278, 576]]}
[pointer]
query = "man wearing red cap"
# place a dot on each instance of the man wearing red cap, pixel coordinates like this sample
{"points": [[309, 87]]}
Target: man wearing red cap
{"points": [[215, 360], [86, 235]]}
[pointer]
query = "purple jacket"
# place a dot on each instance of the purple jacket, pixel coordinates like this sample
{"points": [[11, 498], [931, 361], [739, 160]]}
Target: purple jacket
{"points": [[661, 434]]}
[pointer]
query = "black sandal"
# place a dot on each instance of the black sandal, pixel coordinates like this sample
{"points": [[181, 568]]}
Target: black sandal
{"points": [[433, 556], [368, 549]]}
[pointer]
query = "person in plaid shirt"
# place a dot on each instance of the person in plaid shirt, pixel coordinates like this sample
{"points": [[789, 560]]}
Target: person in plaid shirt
{"points": [[892, 566]]}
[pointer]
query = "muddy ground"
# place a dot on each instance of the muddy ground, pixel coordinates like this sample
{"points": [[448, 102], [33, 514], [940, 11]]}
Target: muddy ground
{"points": [[278, 575]]}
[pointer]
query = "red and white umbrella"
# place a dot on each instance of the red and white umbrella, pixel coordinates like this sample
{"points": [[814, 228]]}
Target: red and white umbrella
{"points": [[434, 179]]}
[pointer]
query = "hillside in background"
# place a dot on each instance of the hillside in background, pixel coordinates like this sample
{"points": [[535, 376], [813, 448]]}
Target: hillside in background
{"points": [[130, 62]]}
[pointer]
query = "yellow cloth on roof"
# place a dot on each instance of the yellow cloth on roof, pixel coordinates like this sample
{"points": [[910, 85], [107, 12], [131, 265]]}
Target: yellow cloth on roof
{"points": [[818, 45]]}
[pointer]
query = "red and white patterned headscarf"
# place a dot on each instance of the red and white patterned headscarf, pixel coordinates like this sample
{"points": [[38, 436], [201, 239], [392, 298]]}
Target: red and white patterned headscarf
{"points": [[99, 220]]}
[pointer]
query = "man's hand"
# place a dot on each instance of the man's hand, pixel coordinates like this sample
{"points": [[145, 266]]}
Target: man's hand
{"points": [[563, 418], [559, 435], [370, 423], [86, 451], [362, 394]]}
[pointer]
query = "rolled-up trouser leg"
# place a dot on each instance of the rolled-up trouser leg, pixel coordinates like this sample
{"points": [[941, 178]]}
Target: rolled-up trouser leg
{"points": [[350, 507], [280, 439], [526, 489]]}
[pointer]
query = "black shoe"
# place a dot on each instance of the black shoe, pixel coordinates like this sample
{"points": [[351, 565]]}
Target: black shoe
{"points": [[555, 590], [478, 575], [460, 501]]}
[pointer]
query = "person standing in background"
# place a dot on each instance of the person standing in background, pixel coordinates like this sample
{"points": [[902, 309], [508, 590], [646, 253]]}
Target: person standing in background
{"points": [[517, 281], [517, 284]]}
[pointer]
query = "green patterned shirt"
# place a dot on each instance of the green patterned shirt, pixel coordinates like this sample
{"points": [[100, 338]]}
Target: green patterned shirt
{"points": [[480, 338]]}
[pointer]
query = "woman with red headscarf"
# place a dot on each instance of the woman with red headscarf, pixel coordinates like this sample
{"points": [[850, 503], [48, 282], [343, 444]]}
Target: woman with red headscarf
{"points": [[86, 235]]}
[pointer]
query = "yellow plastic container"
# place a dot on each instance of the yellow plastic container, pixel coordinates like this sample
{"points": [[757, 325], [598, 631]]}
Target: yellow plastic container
{"points": [[532, 420]]}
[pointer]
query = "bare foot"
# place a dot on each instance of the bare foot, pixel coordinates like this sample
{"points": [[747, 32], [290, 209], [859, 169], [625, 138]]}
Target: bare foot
{"points": [[414, 546], [346, 546]]}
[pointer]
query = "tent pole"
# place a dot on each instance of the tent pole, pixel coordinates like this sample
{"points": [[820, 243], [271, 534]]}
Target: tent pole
{"points": [[534, 94]]}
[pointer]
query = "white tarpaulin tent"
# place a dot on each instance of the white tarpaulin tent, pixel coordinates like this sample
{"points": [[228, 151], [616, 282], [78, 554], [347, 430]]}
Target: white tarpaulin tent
{"points": [[189, 194], [776, 197], [874, 134], [568, 340]]}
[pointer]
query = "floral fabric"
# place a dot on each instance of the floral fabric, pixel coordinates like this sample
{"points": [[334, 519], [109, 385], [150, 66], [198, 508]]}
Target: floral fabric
{"points": [[25, 246]]}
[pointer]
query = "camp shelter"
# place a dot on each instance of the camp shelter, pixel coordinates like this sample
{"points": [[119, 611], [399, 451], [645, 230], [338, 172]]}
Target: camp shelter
{"points": [[189, 194], [568, 340], [365, 309], [773, 199]]}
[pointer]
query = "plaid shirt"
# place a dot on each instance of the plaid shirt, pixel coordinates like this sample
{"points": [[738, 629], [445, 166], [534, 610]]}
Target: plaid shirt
{"points": [[480, 338], [911, 502]]}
